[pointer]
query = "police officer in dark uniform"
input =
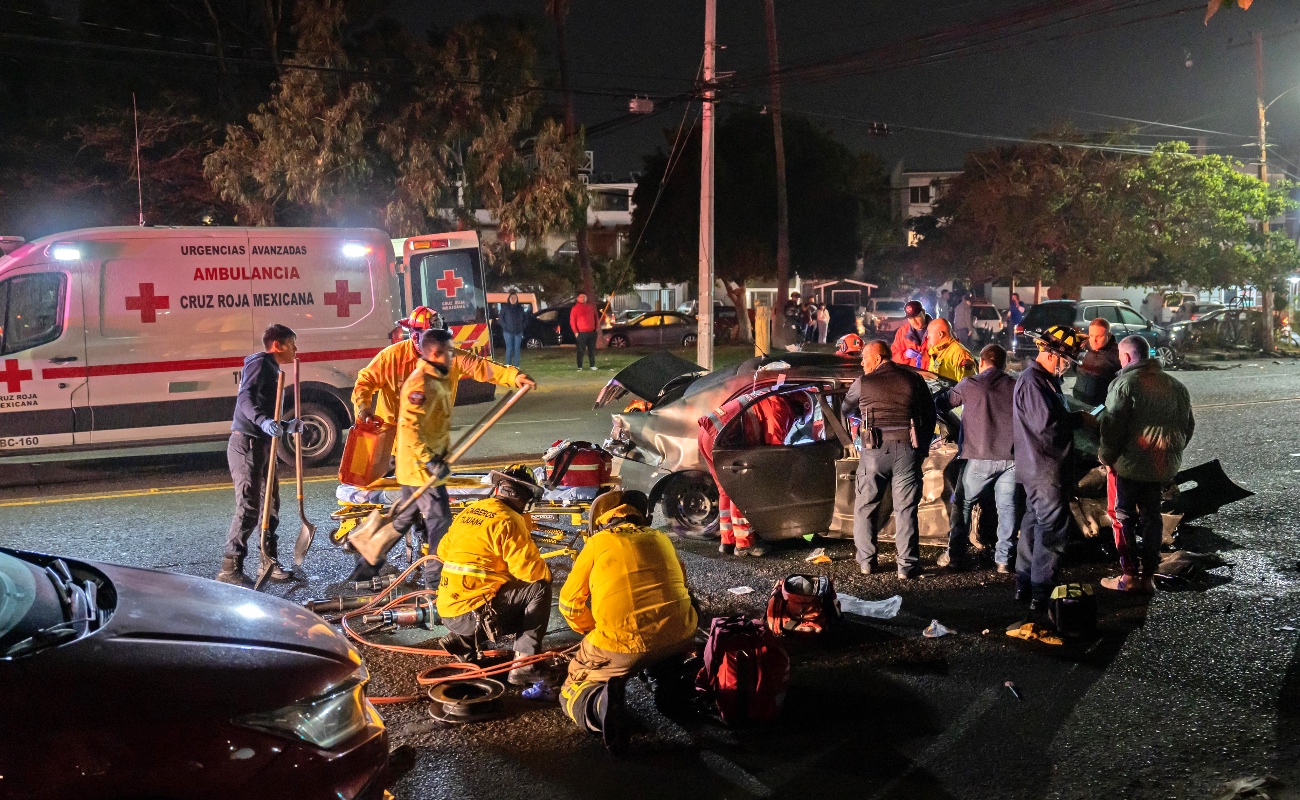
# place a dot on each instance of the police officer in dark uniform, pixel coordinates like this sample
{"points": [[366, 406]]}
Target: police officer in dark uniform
{"points": [[249, 452], [898, 419]]}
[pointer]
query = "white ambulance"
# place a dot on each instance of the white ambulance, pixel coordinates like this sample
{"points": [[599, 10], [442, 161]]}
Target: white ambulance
{"points": [[129, 337]]}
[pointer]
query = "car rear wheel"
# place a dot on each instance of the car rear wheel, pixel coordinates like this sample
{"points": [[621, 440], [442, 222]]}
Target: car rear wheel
{"points": [[618, 340], [533, 343], [690, 505], [690, 339], [321, 435], [1167, 356]]}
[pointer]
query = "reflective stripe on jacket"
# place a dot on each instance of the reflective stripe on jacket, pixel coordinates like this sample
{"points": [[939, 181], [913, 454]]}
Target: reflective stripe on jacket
{"points": [[627, 591], [488, 544]]}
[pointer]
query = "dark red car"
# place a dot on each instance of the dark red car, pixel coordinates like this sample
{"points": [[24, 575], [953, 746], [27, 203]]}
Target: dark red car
{"points": [[121, 682]]}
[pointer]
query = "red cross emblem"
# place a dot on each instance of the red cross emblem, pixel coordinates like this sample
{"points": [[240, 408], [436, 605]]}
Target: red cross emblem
{"points": [[449, 283], [147, 304], [14, 377], [342, 299]]}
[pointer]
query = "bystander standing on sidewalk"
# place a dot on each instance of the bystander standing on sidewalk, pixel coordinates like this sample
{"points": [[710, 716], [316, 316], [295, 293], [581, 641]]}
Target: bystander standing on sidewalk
{"points": [[1145, 427], [514, 321], [585, 321]]}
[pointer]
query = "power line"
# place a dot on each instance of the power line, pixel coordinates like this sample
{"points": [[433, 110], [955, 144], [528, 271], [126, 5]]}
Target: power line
{"points": [[1159, 124]]}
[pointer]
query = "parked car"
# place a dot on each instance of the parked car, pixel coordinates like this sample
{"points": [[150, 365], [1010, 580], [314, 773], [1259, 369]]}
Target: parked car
{"points": [[884, 314], [725, 320], [1191, 311], [123, 682], [655, 329], [805, 486], [988, 322], [497, 299], [550, 327], [1124, 321]]}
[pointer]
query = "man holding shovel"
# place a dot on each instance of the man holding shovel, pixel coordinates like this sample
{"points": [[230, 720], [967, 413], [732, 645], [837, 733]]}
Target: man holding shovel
{"points": [[423, 439], [254, 427]]}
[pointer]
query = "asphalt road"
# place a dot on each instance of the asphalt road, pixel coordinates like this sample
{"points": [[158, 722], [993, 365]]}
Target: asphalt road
{"points": [[1174, 696]]}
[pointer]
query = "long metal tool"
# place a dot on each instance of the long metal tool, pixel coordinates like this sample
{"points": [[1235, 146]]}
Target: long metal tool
{"points": [[307, 533], [374, 537], [264, 567]]}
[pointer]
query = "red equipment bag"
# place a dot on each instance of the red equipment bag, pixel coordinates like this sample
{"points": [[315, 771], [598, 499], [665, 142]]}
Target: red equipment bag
{"points": [[571, 463], [802, 604], [746, 671]]}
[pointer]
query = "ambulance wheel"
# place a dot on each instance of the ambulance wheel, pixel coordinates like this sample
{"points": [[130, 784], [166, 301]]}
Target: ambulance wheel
{"points": [[690, 505], [321, 435]]}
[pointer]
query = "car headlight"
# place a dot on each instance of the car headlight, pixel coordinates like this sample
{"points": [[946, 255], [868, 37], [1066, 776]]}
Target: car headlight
{"points": [[322, 721]]}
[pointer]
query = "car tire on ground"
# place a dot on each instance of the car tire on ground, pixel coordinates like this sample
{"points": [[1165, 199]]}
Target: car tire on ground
{"points": [[533, 343], [1167, 356], [690, 339], [618, 340], [689, 502], [322, 433]]}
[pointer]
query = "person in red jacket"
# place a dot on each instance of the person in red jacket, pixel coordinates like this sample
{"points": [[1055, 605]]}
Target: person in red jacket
{"points": [[584, 321], [909, 346]]}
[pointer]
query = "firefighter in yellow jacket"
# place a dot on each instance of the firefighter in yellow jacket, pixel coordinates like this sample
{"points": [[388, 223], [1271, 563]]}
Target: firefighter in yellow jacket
{"points": [[627, 593], [948, 358], [375, 394], [423, 439], [494, 581]]}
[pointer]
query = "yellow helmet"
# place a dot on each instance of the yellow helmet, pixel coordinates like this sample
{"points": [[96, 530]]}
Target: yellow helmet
{"points": [[1062, 340]]}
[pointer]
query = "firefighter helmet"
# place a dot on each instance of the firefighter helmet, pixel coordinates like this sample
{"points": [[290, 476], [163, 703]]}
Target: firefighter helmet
{"points": [[423, 318], [1061, 340], [518, 481], [611, 500], [850, 344]]}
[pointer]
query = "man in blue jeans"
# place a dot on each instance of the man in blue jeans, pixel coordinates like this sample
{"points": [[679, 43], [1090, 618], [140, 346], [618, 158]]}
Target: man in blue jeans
{"points": [[985, 443], [1044, 446], [897, 424], [514, 321]]}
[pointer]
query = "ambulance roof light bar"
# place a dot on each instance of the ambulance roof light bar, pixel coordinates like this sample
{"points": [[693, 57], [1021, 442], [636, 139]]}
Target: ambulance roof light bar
{"points": [[430, 244], [356, 250], [65, 251]]}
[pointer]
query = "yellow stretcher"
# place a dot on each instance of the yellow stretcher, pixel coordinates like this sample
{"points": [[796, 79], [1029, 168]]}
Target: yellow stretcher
{"points": [[464, 488]]}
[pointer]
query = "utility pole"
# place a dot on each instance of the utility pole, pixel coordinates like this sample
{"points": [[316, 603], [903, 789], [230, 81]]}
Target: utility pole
{"points": [[1265, 291], [782, 205], [704, 310]]}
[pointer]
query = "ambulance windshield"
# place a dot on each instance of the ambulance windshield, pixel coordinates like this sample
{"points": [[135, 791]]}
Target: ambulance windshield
{"points": [[451, 283]]}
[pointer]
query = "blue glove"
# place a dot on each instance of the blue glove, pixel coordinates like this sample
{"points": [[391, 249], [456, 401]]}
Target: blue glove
{"points": [[272, 428], [912, 354], [291, 426], [438, 469]]}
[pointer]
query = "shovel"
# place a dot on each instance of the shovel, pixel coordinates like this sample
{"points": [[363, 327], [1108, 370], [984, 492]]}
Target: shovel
{"points": [[265, 568], [308, 531], [374, 537]]}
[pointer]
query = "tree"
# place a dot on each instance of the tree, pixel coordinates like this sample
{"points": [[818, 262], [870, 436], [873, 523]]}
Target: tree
{"points": [[825, 211]]}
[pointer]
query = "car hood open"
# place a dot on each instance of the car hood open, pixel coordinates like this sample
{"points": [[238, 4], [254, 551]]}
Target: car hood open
{"points": [[647, 377]]}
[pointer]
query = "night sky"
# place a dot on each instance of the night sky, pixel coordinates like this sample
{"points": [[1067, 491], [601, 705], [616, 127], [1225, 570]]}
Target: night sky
{"points": [[1128, 68]]}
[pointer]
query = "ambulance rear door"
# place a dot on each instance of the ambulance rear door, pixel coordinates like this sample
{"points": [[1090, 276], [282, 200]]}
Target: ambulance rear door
{"points": [[43, 389], [175, 323], [445, 273]]}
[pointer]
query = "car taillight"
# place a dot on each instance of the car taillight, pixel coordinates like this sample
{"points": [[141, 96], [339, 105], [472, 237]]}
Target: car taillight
{"points": [[557, 330], [1020, 329], [1194, 316]]}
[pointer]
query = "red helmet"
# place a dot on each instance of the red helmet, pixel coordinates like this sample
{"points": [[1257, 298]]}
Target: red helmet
{"points": [[422, 319], [850, 344]]}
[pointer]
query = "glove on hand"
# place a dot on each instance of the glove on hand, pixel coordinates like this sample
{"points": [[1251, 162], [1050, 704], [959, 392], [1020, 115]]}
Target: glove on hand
{"points": [[291, 426], [438, 468], [272, 428], [910, 353]]}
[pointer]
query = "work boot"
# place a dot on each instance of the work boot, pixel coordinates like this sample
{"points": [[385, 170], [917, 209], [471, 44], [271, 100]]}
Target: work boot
{"points": [[613, 727], [278, 573], [955, 562], [1005, 569], [726, 548], [525, 676], [232, 572], [756, 550], [459, 648]]}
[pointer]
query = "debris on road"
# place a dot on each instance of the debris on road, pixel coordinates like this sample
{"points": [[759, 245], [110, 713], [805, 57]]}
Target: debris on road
{"points": [[936, 629], [741, 590], [1011, 687], [1254, 788], [1030, 631], [818, 556], [878, 609]]}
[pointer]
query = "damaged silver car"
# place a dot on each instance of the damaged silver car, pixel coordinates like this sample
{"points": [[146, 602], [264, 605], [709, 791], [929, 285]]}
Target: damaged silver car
{"points": [[806, 484]]}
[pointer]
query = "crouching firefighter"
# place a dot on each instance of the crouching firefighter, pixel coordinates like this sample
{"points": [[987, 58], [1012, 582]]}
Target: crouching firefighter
{"points": [[627, 593], [494, 581], [423, 439]]}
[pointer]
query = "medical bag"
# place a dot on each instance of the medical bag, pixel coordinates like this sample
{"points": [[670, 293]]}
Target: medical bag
{"points": [[572, 463], [746, 671], [802, 604], [1072, 609], [367, 454]]}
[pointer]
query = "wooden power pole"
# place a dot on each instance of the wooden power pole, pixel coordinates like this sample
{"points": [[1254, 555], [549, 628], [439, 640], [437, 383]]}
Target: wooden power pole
{"points": [[1265, 291], [782, 205], [704, 310]]}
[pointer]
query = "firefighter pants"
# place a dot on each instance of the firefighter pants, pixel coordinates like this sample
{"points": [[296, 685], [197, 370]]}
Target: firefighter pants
{"points": [[1135, 508], [732, 524], [583, 694], [520, 609], [430, 517], [248, 457], [900, 464], [1043, 532]]}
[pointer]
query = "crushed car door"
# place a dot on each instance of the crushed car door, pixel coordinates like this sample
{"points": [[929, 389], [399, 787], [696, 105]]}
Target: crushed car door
{"points": [[784, 490]]}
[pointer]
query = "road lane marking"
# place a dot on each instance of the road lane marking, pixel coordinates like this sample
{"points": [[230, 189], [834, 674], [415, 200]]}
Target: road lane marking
{"points": [[1248, 403], [157, 492], [946, 740], [734, 774]]}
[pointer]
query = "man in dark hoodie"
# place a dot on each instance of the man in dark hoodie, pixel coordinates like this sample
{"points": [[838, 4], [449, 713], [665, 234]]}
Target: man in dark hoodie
{"points": [[249, 452], [1099, 366]]}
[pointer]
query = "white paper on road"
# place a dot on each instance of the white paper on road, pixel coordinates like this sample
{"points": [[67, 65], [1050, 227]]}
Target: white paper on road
{"points": [[879, 609]]}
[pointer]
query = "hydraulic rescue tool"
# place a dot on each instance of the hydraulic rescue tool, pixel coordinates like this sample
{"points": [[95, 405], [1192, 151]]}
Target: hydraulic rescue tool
{"points": [[307, 533], [376, 536], [267, 562]]}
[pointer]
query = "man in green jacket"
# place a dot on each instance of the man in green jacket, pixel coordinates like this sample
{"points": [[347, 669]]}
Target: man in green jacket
{"points": [[1144, 429]]}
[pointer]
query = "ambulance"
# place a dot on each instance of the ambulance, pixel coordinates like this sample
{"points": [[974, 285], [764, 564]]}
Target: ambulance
{"points": [[128, 337]]}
